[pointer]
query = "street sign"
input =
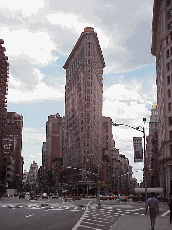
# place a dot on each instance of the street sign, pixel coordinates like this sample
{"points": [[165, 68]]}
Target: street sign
{"points": [[138, 150]]}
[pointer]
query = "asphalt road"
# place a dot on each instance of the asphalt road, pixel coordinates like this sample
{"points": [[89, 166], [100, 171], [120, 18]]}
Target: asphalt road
{"points": [[23, 214]]}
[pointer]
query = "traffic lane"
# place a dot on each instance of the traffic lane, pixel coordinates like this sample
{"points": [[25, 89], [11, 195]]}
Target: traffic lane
{"points": [[25, 219], [107, 215]]}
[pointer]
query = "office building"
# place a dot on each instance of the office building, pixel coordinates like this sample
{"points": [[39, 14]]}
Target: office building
{"points": [[4, 71], [33, 175], [162, 50], [13, 147], [83, 107], [152, 149], [52, 149]]}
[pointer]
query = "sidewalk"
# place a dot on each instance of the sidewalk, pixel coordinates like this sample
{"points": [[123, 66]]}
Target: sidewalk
{"points": [[142, 223]]}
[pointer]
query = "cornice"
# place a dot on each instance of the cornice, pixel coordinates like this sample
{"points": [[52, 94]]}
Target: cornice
{"points": [[155, 22], [83, 34]]}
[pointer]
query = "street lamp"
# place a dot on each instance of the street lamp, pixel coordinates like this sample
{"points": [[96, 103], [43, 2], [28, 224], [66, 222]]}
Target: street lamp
{"points": [[98, 189], [141, 129]]}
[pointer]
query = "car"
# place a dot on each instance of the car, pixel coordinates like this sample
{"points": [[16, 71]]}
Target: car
{"points": [[22, 195], [113, 197], [55, 195], [122, 197], [44, 195]]}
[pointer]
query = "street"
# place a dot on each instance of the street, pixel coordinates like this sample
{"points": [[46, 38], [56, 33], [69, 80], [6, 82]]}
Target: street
{"points": [[20, 214]]}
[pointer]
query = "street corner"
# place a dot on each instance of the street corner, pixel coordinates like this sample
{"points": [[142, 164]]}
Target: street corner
{"points": [[132, 222]]}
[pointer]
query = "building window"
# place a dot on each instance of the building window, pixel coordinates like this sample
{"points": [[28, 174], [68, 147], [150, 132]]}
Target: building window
{"points": [[88, 120], [87, 128], [88, 105], [170, 120], [167, 40], [170, 14], [169, 107], [169, 93], [168, 66], [88, 135], [170, 150], [169, 2], [87, 113], [167, 53], [169, 25], [170, 135], [168, 80]]}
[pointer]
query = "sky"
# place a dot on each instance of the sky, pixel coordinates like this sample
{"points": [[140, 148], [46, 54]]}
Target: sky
{"points": [[39, 36]]}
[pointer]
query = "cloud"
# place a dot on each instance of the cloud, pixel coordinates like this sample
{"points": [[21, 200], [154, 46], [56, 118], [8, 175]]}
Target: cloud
{"points": [[32, 145], [127, 102], [40, 92], [33, 31], [26, 8], [37, 34]]}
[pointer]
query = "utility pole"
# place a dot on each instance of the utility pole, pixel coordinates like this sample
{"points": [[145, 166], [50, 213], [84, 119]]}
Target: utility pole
{"points": [[98, 189], [141, 129]]}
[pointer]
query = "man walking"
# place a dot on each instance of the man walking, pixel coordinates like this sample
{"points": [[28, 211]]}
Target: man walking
{"points": [[153, 205]]}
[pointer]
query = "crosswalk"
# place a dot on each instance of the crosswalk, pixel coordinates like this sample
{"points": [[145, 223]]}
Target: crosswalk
{"points": [[58, 207]]}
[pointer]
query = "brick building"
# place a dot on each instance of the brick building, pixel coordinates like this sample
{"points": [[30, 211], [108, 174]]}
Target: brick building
{"points": [[52, 149], [13, 147], [4, 71], [107, 146]]}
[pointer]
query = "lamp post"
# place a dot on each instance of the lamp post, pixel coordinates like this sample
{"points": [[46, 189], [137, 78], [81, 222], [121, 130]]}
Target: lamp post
{"points": [[140, 129], [98, 189]]}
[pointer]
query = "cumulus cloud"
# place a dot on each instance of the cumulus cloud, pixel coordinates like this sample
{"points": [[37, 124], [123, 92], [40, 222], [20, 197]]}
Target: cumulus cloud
{"points": [[126, 102], [41, 91], [37, 34]]}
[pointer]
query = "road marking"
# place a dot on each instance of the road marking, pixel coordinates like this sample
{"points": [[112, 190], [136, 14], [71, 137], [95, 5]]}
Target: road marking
{"points": [[116, 222], [82, 217], [165, 213], [30, 215], [90, 227], [93, 223]]}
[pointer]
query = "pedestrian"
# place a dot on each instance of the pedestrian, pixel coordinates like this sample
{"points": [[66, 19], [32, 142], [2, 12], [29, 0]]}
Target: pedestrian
{"points": [[153, 205], [170, 208]]}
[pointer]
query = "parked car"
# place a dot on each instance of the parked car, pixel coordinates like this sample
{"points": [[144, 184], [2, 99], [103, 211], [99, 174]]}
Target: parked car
{"points": [[122, 197], [44, 195], [22, 195], [113, 197], [55, 195]]}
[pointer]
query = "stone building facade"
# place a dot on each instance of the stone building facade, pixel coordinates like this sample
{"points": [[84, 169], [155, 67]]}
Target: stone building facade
{"points": [[33, 175], [152, 149], [162, 50], [83, 105]]}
